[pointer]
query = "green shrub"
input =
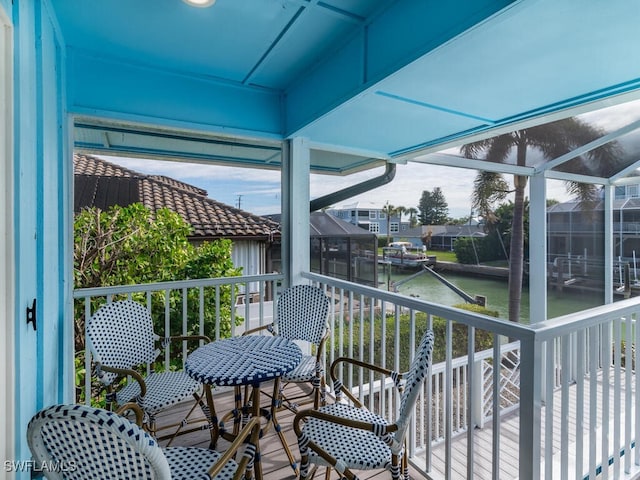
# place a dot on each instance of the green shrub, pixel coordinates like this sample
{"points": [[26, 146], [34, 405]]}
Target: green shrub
{"points": [[483, 339], [133, 245]]}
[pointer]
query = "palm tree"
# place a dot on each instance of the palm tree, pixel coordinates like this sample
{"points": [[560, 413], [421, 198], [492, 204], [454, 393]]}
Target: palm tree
{"points": [[552, 140], [400, 210], [413, 212], [390, 210]]}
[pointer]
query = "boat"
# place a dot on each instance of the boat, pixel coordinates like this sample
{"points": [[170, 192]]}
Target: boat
{"points": [[406, 255]]}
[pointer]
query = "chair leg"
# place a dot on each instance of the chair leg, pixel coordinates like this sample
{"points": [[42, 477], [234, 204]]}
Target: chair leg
{"points": [[395, 467], [323, 392], [317, 386], [185, 421], [405, 467], [327, 473], [151, 426], [405, 462], [304, 462]]}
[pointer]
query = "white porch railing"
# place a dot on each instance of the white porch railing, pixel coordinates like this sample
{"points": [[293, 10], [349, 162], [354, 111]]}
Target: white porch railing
{"points": [[250, 295], [563, 405], [565, 384]]}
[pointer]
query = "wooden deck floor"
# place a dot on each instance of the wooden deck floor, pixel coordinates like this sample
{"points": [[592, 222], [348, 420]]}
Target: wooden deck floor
{"points": [[275, 465], [509, 440]]}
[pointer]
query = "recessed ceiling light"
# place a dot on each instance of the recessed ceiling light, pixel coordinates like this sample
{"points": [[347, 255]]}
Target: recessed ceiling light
{"points": [[199, 3]]}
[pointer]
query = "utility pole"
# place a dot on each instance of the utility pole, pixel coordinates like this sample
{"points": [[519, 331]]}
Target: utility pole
{"points": [[239, 202]]}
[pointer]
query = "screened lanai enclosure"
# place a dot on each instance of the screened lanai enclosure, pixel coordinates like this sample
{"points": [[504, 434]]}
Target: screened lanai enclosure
{"points": [[342, 250], [337, 87]]}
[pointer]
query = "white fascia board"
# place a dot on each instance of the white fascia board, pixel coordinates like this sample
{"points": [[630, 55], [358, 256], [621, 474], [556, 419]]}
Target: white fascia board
{"points": [[358, 152]]}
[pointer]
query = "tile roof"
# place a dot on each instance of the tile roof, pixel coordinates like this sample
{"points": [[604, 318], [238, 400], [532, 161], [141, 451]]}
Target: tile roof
{"points": [[102, 184]]}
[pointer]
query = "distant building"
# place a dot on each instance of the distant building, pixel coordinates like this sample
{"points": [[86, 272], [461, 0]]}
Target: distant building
{"points": [[439, 237], [444, 237], [371, 217], [573, 230], [413, 235]]}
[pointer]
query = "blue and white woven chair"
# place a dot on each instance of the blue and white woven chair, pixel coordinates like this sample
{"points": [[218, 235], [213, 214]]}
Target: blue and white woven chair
{"points": [[122, 341], [349, 437], [301, 314], [78, 442]]}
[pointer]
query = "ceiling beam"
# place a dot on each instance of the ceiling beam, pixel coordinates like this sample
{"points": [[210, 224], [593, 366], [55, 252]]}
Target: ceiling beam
{"points": [[417, 28], [457, 161], [573, 177]]}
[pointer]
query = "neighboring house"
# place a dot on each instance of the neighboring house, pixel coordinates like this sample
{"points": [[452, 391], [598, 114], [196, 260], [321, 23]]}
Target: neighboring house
{"points": [[371, 217], [443, 237], [101, 184], [439, 237], [574, 231], [342, 250], [415, 235]]}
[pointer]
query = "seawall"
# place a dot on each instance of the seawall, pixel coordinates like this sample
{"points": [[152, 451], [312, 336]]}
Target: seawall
{"points": [[480, 270]]}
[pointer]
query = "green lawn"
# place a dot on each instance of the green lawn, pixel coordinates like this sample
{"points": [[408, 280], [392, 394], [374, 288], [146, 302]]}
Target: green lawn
{"points": [[442, 256]]}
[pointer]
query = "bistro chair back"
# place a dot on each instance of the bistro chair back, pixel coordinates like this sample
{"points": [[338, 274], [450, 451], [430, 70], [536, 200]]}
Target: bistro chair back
{"points": [[301, 314], [347, 436], [78, 442], [123, 344], [411, 384], [81, 442], [120, 335]]}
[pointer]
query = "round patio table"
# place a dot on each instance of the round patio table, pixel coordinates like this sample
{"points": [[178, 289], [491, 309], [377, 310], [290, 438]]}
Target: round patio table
{"points": [[244, 361]]}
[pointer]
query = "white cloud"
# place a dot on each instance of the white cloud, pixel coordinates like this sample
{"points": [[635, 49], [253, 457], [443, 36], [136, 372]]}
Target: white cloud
{"points": [[258, 191]]}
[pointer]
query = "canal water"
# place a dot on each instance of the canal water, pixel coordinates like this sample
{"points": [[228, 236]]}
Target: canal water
{"points": [[426, 287]]}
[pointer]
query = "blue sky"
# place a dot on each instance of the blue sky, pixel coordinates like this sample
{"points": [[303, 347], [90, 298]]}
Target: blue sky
{"points": [[258, 191]]}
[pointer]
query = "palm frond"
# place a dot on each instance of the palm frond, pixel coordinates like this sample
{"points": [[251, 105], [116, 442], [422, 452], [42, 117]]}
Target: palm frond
{"points": [[495, 149], [489, 188]]}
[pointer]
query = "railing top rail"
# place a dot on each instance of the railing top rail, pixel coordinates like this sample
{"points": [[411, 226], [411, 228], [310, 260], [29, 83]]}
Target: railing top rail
{"points": [[572, 322], [157, 286], [484, 322]]}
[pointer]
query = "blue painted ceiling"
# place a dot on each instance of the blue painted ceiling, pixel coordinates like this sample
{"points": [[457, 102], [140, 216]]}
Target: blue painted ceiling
{"points": [[367, 80]]}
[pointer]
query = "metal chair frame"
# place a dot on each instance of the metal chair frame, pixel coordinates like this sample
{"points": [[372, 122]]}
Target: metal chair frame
{"points": [[122, 342], [77, 442], [301, 315], [347, 437]]}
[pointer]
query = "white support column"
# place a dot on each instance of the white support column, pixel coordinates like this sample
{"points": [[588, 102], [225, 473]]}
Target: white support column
{"points": [[7, 252], [295, 209], [608, 243], [538, 249], [531, 358]]}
